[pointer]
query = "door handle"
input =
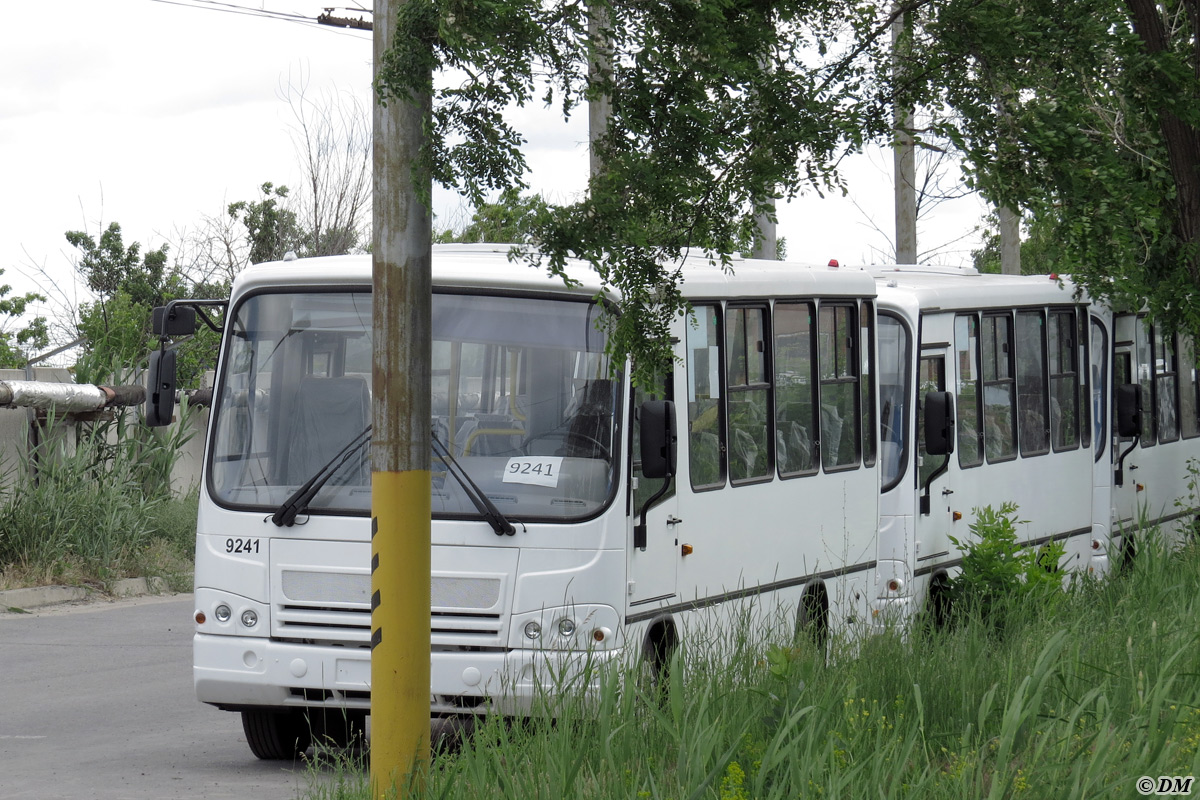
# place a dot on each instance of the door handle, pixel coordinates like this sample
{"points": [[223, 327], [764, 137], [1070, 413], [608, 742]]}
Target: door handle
{"points": [[673, 520]]}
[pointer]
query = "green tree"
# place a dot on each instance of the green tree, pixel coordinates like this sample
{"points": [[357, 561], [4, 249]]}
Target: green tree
{"points": [[508, 220], [127, 284], [18, 345], [1085, 114], [1040, 252], [719, 108], [271, 226]]}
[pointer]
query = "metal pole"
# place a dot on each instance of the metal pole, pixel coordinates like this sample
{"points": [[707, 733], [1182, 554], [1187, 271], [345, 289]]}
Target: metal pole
{"points": [[400, 477]]}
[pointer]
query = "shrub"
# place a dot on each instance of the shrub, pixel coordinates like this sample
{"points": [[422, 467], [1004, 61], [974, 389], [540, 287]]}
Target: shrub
{"points": [[997, 572]]}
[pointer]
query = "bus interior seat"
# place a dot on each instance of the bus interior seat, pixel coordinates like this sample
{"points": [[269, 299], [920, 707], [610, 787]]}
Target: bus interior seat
{"points": [[330, 413], [489, 435]]}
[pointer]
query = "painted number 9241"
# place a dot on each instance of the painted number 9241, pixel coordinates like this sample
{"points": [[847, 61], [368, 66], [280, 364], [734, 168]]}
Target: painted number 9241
{"points": [[241, 546]]}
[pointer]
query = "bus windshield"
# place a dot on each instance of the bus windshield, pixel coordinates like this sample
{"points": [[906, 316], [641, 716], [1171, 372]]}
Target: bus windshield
{"points": [[521, 398]]}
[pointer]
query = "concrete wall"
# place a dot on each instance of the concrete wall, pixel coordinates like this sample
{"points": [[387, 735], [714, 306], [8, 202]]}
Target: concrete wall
{"points": [[16, 423]]}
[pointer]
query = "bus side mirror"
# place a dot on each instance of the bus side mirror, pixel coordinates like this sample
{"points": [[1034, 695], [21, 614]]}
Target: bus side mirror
{"points": [[658, 440], [160, 388], [1129, 410], [939, 423], [181, 321]]}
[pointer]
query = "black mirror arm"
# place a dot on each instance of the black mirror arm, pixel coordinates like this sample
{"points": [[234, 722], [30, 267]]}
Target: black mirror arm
{"points": [[198, 306], [639, 530], [1119, 475]]}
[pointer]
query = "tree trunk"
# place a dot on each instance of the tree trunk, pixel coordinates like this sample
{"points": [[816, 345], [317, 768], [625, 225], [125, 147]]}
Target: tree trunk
{"points": [[1181, 139]]}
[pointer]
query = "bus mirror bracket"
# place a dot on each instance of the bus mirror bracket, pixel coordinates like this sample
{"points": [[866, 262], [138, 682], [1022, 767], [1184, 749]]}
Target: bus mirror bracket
{"points": [[658, 447], [1129, 423], [939, 436]]}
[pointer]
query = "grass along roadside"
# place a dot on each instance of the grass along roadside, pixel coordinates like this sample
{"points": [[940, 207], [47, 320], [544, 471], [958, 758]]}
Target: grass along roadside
{"points": [[97, 513], [1073, 697]]}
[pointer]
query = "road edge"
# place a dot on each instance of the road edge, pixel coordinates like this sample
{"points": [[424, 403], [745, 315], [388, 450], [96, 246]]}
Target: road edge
{"points": [[18, 600]]}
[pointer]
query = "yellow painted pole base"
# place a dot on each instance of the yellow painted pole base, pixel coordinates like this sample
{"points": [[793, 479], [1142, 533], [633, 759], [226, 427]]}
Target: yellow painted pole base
{"points": [[400, 541]]}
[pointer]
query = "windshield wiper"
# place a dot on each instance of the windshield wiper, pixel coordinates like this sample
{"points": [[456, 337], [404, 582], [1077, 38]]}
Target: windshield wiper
{"points": [[286, 514], [483, 504]]}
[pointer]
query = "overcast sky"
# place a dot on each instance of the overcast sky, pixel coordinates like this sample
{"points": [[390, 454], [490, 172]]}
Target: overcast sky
{"points": [[155, 115]]}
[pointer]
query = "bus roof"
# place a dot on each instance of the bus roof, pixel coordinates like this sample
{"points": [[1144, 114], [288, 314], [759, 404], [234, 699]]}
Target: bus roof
{"points": [[953, 287], [487, 266]]}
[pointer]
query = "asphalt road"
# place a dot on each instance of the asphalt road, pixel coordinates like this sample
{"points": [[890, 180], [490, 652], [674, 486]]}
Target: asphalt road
{"points": [[96, 702]]}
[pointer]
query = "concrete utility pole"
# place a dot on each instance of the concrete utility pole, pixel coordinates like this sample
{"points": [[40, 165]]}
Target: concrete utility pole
{"points": [[904, 160], [768, 244], [600, 107], [400, 449], [1010, 241]]}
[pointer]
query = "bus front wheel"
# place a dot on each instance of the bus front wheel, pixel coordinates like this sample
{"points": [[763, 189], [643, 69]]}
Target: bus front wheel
{"points": [[277, 734]]}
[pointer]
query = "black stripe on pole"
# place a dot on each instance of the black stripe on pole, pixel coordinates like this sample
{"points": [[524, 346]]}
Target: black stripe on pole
{"points": [[375, 601], [374, 562], [376, 638], [374, 526]]}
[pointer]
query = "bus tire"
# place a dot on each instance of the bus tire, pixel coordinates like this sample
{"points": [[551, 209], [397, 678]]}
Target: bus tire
{"points": [[657, 650], [276, 734], [939, 602], [338, 727], [812, 618], [1128, 553]]}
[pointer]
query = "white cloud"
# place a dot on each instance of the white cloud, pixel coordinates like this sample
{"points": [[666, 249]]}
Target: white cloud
{"points": [[155, 115]]}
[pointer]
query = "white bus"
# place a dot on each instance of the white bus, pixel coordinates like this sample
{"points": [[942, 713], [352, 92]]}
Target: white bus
{"points": [[1025, 381], [551, 536]]}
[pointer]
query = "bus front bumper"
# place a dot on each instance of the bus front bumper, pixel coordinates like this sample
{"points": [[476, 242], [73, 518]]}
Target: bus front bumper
{"points": [[237, 673]]}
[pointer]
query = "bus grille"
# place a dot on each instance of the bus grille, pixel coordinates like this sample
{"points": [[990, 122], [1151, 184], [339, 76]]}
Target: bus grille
{"points": [[335, 608]]}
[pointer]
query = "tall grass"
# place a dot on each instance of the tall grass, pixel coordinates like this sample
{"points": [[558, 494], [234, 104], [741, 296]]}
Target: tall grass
{"points": [[97, 510], [1074, 698]]}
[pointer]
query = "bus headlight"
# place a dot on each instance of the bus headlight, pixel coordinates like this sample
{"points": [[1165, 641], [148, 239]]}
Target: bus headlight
{"points": [[222, 613], [566, 627], [533, 631], [249, 618]]}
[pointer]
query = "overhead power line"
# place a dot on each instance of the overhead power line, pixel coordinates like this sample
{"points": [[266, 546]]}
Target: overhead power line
{"points": [[327, 19], [344, 22]]}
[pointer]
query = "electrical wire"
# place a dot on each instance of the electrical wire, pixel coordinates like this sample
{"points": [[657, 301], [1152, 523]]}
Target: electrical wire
{"points": [[282, 16]]}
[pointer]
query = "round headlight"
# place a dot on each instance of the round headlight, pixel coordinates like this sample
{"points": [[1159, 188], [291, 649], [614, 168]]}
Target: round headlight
{"points": [[222, 613], [566, 627], [533, 630], [249, 618]]}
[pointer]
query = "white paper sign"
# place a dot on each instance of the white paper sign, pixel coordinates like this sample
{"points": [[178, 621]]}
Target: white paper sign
{"points": [[533, 470]]}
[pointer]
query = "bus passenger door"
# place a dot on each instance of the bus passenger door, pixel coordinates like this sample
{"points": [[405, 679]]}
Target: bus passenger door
{"points": [[1127, 370], [654, 549], [934, 473]]}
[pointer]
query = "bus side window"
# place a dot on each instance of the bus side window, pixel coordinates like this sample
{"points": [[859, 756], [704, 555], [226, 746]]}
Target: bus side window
{"points": [[795, 389], [1189, 421], [1064, 380], [967, 400], [894, 377], [706, 431], [866, 382], [748, 390], [838, 335], [1033, 434], [1165, 386], [645, 488], [931, 378], [1098, 355], [1145, 379], [999, 390]]}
